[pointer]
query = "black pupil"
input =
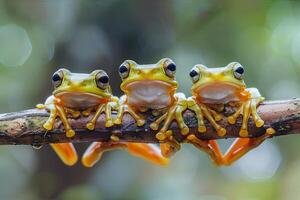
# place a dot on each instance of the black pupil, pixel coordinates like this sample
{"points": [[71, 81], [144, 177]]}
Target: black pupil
{"points": [[56, 77], [171, 67], [123, 69], [193, 73], [239, 70], [104, 79]]}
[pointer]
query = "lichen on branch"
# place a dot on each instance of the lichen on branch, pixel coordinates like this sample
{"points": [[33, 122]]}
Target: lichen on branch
{"points": [[25, 127]]}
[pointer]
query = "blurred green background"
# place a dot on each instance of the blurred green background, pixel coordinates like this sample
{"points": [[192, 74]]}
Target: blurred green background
{"points": [[39, 36]]}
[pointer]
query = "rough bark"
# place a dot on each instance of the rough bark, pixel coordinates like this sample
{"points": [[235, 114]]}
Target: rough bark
{"points": [[25, 127]]}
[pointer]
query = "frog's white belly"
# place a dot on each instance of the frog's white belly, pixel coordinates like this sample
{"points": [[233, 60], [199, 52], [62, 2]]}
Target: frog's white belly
{"points": [[79, 100], [218, 94], [149, 94]]}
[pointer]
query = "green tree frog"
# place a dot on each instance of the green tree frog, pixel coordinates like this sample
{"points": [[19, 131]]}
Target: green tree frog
{"points": [[147, 87], [153, 87], [213, 88], [75, 94]]}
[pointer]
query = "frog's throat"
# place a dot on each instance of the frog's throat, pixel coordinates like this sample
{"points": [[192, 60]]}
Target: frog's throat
{"points": [[220, 93], [80, 99], [172, 86], [99, 95], [150, 94]]}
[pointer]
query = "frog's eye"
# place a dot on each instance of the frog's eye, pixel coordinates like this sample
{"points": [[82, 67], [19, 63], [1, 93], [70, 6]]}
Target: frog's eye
{"points": [[170, 68], [195, 75], [102, 80], [124, 70], [238, 71], [57, 78]]}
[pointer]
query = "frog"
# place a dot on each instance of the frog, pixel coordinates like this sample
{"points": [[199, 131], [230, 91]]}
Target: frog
{"points": [[212, 89], [77, 94], [152, 87], [147, 87]]}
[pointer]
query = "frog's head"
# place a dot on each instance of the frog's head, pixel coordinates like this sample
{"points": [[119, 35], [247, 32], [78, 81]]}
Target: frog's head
{"points": [[218, 84], [94, 84], [162, 72]]}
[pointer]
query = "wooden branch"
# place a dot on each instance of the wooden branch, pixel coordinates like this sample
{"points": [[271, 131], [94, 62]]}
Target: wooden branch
{"points": [[25, 127]]}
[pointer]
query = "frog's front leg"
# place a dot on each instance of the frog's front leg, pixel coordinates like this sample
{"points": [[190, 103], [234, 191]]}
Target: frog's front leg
{"points": [[246, 109], [56, 110], [123, 107], [201, 111], [174, 112], [170, 145], [148, 152], [107, 108]]}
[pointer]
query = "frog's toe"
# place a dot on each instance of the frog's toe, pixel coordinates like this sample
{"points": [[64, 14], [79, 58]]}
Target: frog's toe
{"points": [[70, 133], [155, 113], [86, 113], [243, 133], [118, 121], [231, 120], [140, 122], [161, 136], [259, 123], [154, 126], [270, 131], [185, 130], [202, 129], [76, 114], [217, 117], [48, 126], [109, 123], [221, 132], [90, 126]]}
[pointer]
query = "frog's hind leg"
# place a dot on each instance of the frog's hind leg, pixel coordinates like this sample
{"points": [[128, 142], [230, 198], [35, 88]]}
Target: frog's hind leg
{"points": [[87, 112], [170, 147], [211, 147], [146, 151], [246, 109], [66, 152], [242, 145]]}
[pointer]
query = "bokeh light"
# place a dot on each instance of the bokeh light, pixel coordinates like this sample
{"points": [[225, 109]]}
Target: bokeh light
{"points": [[15, 45], [38, 37]]}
